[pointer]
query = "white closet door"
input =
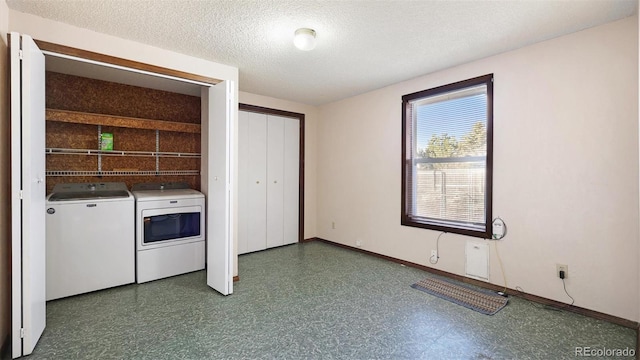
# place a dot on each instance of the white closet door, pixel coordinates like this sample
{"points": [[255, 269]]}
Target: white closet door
{"points": [[253, 197], [243, 182], [217, 175], [291, 179], [275, 181], [28, 273]]}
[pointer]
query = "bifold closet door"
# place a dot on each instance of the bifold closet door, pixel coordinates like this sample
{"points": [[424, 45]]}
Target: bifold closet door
{"points": [[28, 271], [291, 177], [269, 168], [275, 180], [252, 173]]}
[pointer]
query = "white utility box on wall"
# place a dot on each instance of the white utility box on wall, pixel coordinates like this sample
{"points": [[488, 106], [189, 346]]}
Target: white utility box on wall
{"points": [[477, 260]]}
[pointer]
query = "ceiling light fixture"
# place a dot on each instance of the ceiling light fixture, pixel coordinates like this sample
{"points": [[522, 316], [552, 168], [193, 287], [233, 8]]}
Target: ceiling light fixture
{"points": [[305, 39]]}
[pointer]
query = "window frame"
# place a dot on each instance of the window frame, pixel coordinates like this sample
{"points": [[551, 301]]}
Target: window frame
{"points": [[408, 162]]}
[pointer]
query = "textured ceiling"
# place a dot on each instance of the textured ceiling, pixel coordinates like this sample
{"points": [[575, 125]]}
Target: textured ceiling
{"points": [[362, 45]]}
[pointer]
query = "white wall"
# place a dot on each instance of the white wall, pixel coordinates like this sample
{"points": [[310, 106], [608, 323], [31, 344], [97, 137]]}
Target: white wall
{"points": [[60, 33], [310, 121], [5, 199], [565, 169]]}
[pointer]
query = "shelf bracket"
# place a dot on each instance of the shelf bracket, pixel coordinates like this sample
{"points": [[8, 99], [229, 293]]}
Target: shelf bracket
{"points": [[157, 151], [99, 147]]}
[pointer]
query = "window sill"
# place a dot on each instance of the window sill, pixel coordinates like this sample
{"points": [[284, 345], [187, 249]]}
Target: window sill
{"points": [[478, 231]]}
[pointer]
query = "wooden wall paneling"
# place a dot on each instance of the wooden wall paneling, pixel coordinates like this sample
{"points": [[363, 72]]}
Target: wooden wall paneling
{"points": [[73, 93], [74, 162], [193, 181], [68, 92], [54, 180], [127, 139], [63, 135], [172, 141], [172, 163], [128, 163], [76, 136]]}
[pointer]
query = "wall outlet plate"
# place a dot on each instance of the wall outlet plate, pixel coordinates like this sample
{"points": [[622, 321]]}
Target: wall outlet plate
{"points": [[359, 243], [434, 255], [562, 267]]}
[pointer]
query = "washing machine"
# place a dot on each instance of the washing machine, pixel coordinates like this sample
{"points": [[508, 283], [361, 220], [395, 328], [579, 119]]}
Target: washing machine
{"points": [[170, 230], [90, 238]]}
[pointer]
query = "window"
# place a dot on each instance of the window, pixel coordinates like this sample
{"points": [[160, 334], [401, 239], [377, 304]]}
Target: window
{"points": [[447, 157]]}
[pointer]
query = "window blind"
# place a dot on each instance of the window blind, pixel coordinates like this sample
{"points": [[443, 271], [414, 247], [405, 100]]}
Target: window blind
{"points": [[446, 148]]}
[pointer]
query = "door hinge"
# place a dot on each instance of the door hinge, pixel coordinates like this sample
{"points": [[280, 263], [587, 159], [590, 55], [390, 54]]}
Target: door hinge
{"points": [[21, 333], [20, 54], [20, 194]]}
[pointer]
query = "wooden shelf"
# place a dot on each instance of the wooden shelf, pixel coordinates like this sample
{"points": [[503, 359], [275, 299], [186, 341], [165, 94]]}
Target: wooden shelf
{"points": [[119, 121]]}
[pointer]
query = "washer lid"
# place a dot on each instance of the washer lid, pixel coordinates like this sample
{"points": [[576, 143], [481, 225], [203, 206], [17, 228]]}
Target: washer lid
{"points": [[86, 191], [86, 195]]}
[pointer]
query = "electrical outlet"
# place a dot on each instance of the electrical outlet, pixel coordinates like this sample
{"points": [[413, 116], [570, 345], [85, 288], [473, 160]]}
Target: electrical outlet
{"points": [[561, 267], [359, 243], [333, 225], [434, 255]]}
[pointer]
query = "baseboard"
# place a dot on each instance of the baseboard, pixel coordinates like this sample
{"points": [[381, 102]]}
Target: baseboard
{"points": [[236, 278], [5, 350], [310, 239], [538, 299]]}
